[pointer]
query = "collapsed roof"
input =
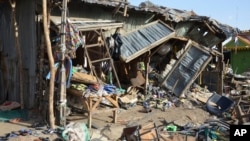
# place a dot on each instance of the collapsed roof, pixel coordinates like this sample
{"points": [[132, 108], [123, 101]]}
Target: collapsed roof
{"points": [[171, 14], [202, 32]]}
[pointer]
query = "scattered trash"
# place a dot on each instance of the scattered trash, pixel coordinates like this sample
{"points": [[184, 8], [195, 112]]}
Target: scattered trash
{"points": [[76, 131]]}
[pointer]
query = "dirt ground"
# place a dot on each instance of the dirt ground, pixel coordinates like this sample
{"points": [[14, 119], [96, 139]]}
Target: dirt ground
{"points": [[104, 129]]}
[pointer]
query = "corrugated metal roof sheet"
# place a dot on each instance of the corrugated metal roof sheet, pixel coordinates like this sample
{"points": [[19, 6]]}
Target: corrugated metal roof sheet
{"points": [[102, 2], [83, 24], [226, 29], [138, 42], [171, 14], [186, 70]]}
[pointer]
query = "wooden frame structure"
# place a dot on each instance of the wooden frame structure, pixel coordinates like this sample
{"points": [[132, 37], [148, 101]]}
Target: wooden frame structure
{"points": [[91, 103]]}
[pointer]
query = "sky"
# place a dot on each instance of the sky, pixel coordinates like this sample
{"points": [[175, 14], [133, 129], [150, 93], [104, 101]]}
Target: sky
{"points": [[235, 13]]}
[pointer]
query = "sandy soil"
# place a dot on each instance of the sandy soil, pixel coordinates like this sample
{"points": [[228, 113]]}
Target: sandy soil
{"points": [[104, 129]]}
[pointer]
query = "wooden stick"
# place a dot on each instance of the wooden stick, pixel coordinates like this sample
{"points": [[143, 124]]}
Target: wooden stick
{"points": [[51, 64]]}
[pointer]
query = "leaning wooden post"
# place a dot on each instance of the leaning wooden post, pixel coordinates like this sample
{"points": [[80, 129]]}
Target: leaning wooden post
{"points": [[18, 49], [51, 64]]}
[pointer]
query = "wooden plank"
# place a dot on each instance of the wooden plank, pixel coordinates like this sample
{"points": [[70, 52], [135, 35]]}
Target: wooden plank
{"points": [[240, 115], [89, 119], [90, 112], [93, 45], [84, 78], [115, 116], [90, 101], [96, 104], [85, 102], [92, 108], [114, 102], [148, 132], [100, 60], [103, 110]]}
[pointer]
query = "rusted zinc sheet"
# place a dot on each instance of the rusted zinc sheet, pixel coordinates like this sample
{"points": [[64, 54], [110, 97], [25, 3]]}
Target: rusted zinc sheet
{"points": [[186, 69], [144, 39]]}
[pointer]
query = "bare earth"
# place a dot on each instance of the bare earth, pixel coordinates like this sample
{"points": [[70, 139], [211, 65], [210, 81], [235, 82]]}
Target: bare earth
{"points": [[104, 129]]}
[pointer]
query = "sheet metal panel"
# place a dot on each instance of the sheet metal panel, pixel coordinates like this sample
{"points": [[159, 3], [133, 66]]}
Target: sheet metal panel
{"points": [[186, 70], [27, 35], [176, 15], [84, 24], [138, 42]]}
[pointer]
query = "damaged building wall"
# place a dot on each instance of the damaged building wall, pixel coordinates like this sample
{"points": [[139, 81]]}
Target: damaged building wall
{"points": [[135, 20], [210, 34], [25, 16], [201, 29], [26, 19]]}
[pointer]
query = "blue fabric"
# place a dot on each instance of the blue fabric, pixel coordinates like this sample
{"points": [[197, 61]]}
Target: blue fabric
{"points": [[48, 75], [110, 88], [69, 71], [68, 68]]}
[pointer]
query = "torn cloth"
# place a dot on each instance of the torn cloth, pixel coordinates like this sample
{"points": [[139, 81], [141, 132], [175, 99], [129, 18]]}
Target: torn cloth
{"points": [[73, 39]]}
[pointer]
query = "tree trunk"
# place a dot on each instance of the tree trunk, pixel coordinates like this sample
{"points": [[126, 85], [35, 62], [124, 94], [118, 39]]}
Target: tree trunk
{"points": [[51, 65]]}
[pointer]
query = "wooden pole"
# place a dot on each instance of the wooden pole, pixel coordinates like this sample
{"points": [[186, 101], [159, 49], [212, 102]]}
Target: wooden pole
{"points": [[51, 64], [18, 49], [220, 69], [62, 72]]}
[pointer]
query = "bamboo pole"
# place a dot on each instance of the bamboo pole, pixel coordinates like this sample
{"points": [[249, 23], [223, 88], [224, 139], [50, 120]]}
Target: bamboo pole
{"points": [[51, 64], [18, 49]]}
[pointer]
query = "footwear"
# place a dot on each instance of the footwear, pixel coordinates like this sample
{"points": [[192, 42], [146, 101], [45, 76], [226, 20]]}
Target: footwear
{"points": [[15, 120], [39, 126], [25, 132], [3, 138], [48, 131], [10, 135], [15, 132], [44, 139]]}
